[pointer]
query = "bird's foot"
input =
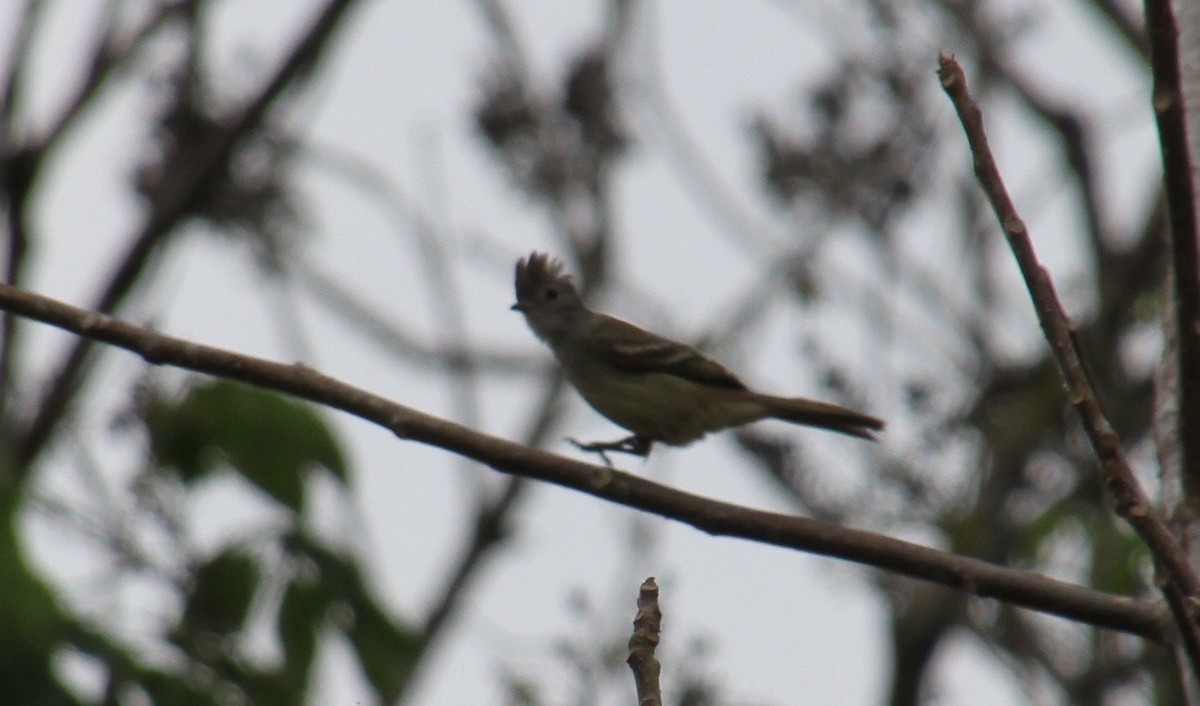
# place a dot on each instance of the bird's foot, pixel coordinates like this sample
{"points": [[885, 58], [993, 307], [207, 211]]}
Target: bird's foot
{"points": [[632, 445]]}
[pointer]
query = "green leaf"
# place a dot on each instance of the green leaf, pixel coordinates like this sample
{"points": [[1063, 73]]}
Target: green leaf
{"points": [[301, 617], [176, 689], [219, 603], [386, 649], [31, 622], [386, 652], [1120, 561], [270, 439]]}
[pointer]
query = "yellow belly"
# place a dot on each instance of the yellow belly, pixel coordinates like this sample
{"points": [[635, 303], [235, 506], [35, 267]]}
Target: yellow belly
{"points": [[665, 407]]}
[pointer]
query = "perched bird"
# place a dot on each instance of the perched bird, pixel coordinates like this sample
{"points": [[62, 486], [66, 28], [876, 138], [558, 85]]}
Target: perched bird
{"points": [[658, 389]]}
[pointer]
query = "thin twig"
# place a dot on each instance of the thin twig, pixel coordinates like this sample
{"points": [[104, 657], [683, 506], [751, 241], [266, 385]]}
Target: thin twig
{"points": [[1130, 500], [647, 626], [1030, 590], [1073, 131]]}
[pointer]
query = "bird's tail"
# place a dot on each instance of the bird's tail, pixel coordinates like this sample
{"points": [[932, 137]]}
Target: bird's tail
{"points": [[798, 410]]}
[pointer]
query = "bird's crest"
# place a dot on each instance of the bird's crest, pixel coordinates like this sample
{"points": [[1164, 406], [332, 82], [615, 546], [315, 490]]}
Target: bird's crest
{"points": [[536, 271]]}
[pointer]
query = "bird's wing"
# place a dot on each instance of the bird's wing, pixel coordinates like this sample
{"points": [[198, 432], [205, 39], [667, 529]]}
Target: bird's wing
{"points": [[636, 350]]}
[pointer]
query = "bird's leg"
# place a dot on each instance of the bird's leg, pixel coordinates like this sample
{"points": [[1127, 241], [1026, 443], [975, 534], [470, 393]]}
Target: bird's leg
{"points": [[632, 445]]}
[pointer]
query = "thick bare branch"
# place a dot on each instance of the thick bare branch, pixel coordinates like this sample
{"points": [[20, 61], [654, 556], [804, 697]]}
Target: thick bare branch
{"points": [[1029, 590]]}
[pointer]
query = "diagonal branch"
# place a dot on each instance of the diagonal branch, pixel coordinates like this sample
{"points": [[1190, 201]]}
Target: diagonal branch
{"points": [[1130, 500], [1029, 590]]}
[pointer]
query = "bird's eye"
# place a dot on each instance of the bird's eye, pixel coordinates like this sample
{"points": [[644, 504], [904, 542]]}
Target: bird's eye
{"points": [[551, 293]]}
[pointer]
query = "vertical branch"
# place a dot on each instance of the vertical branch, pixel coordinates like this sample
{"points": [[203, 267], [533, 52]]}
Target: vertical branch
{"points": [[647, 627], [1168, 94], [1180, 585]]}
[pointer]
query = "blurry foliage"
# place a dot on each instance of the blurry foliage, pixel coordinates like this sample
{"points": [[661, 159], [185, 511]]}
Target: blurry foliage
{"points": [[270, 440], [253, 198], [281, 576], [557, 140], [32, 625], [869, 145]]}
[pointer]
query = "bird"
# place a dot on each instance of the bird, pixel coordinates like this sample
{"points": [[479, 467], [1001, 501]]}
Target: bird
{"points": [[658, 389]]}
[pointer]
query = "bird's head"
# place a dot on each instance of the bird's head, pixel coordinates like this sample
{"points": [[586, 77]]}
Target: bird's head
{"points": [[546, 295]]}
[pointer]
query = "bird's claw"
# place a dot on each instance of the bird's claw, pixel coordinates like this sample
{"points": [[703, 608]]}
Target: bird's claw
{"points": [[632, 445]]}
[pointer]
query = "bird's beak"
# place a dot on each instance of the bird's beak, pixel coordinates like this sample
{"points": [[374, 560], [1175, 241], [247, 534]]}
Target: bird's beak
{"points": [[518, 307]]}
